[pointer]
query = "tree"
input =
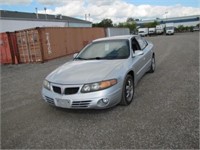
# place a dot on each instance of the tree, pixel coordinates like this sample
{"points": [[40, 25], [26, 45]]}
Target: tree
{"points": [[130, 25], [130, 19], [104, 23], [151, 24], [180, 28]]}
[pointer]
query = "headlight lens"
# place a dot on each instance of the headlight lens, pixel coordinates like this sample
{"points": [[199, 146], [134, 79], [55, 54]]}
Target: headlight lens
{"points": [[91, 87], [46, 84]]}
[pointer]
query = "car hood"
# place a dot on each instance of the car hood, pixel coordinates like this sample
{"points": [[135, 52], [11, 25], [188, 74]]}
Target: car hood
{"points": [[81, 72]]}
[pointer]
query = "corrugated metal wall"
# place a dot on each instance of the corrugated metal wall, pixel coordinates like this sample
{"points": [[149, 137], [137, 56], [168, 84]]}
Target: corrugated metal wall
{"points": [[29, 46], [5, 49], [42, 44], [8, 48], [117, 31]]}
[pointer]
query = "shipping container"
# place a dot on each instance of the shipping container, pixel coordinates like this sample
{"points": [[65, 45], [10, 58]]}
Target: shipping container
{"points": [[117, 31], [14, 48], [8, 48], [42, 44], [29, 46]]}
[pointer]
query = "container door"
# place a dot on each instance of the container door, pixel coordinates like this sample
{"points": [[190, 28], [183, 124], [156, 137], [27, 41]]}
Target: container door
{"points": [[5, 49], [29, 46], [34, 46], [13, 47]]}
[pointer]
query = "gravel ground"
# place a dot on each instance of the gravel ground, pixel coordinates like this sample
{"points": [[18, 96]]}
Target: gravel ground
{"points": [[163, 115]]}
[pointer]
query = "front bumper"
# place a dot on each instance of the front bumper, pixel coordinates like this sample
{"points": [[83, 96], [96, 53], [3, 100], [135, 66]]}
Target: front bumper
{"points": [[94, 100]]}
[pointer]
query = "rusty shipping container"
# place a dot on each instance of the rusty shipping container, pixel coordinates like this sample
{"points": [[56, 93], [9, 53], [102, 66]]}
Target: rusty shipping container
{"points": [[8, 48], [29, 46], [42, 44], [58, 42]]}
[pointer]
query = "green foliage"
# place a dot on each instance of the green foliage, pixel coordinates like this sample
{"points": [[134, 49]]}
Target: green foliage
{"points": [[182, 28], [151, 24], [104, 23], [130, 20], [130, 23]]}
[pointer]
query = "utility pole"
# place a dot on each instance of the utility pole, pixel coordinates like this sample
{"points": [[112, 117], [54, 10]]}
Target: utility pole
{"points": [[87, 17], [36, 10], [166, 14], [45, 9]]}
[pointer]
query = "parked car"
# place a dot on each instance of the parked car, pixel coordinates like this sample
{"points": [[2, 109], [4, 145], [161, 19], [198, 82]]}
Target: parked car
{"points": [[102, 75]]}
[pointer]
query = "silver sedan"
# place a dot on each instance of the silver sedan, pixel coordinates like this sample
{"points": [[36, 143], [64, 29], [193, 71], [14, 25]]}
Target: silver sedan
{"points": [[102, 75]]}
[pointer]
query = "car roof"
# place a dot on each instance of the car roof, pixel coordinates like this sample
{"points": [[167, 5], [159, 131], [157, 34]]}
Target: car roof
{"points": [[121, 37]]}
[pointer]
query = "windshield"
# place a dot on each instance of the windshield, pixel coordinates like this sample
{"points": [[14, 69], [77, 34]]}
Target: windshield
{"points": [[169, 28], [110, 49]]}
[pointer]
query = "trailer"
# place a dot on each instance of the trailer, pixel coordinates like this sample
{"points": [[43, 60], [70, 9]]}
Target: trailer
{"points": [[169, 28], [152, 31], [159, 29], [143, 31]]}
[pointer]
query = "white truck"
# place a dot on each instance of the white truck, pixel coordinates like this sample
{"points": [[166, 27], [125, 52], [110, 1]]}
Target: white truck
{"points": [[152, 31], [159, 29], [143, 31], [169, 28]]}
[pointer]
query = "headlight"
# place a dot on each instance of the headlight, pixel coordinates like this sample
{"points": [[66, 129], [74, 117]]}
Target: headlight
{"points": [[91, 87], [46, 84]]}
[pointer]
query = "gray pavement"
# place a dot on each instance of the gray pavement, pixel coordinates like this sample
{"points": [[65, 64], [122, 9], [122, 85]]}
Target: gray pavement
{"points": [[164, 113]]}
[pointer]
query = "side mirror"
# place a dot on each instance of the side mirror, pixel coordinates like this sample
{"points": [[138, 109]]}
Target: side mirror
{"points": [[137, 53], [75, 55]]}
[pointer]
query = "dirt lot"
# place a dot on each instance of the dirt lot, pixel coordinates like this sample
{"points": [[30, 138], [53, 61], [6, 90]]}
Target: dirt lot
{"points": [[164, 114]]}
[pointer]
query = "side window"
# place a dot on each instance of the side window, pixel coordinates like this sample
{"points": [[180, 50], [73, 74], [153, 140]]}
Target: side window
{"points": [[142, 42], [135, 45]]}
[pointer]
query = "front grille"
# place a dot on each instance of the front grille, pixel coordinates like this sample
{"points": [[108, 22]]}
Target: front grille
{"points": [[80, 104], [49, 100], [69, 91], [57, 89]]}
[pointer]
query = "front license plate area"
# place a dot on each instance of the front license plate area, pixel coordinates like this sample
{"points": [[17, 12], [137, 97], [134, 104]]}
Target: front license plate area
{"points": [[65, 103]]}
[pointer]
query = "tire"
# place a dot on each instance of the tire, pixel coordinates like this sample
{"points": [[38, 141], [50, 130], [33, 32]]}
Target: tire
{"points": [[128, 91], [153, 65]]}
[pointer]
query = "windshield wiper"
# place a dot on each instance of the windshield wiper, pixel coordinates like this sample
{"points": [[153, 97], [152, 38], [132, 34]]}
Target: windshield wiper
{"points": [[79, 58], [95, 58]]}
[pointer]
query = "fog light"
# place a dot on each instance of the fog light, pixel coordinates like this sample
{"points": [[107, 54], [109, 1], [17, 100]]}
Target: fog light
{"points": [[105, 100]]}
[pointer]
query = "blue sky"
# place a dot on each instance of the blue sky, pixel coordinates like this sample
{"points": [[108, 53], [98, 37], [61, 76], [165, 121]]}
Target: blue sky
{"points": [[187, 3], [31, 6], [117, 10]]}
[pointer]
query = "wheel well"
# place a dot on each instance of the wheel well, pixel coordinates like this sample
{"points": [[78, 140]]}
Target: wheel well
{"points": [[153, 55], [132, 74]]}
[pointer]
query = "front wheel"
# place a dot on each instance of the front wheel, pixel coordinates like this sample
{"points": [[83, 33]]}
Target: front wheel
{"points": [[128, 91], [153, 65]]}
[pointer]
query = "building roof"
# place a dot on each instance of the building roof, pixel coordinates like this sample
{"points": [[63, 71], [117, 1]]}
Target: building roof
{"points": [[15, 15], [174, 19]]}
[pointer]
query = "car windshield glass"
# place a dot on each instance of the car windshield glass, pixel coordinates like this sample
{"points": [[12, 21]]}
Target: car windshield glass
{"points": [[169, 28], [110, 49]]}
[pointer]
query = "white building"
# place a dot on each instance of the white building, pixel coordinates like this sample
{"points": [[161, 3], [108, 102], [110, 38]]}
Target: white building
{"points": [[185, 21], [12, 21]]}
